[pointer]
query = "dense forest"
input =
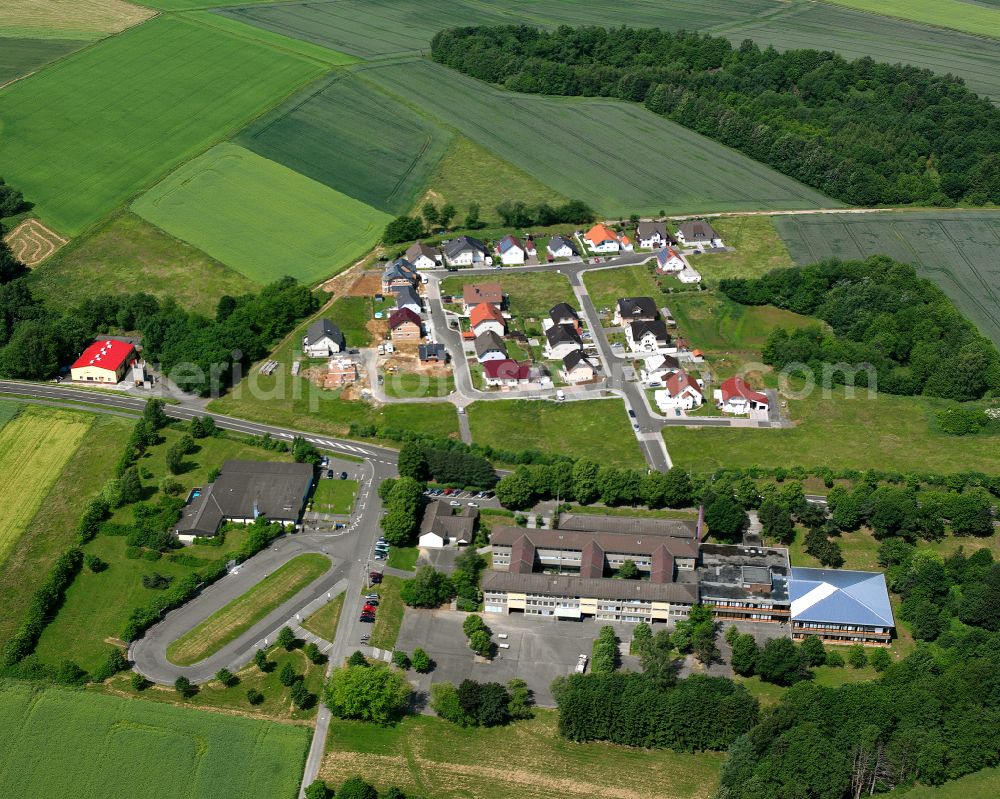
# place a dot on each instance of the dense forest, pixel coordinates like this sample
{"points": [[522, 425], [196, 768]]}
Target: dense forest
{"points": [[861, 131], [880, 313]]}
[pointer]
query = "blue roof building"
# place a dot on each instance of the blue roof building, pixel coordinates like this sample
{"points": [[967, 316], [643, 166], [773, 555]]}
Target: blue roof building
{"points": [[840, 606]]}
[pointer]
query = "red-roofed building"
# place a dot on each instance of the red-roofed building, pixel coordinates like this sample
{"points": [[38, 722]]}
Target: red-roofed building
{"points": [[104, 361], [506, 373], [680, 391], [601, 238], [735, 396], [405, 325], [487, 316]]}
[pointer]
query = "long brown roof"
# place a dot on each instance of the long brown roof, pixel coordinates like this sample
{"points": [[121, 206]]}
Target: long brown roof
{"points": [[566, 585], [622, 543], [634, 525], [475, 293]]}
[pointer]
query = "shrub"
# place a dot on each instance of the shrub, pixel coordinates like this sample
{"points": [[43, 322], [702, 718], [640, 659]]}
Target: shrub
{"points": [[421, 661], [254, 697], [94, 563], [226, 677], [401, 659], [857, 658]]}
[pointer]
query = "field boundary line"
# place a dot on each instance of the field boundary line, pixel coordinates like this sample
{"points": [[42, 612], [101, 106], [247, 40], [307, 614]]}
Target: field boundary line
{"points": [[911, 21]]}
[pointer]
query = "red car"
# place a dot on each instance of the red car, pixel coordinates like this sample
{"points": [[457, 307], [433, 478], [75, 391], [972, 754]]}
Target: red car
{"points": [[368, 609]]}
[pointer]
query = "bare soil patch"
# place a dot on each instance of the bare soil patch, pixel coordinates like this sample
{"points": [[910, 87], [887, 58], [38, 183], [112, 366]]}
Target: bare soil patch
{"points": [[32, 242]]}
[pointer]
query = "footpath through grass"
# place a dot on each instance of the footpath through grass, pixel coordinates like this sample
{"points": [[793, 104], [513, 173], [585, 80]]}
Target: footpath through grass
{"points": [[60, 742], [34, 448], [230, 622], [439, 760]]}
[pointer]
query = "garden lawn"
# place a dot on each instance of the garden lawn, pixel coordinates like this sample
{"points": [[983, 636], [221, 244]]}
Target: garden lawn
{"points": [[531, 294], [34, 448], [325, 620], [616, 156], [345, 133], [20, 56], [597, 429], [470, 174], [61, 742], [260, 217], [52, 530], [404, 558], [68, 19], [334, 495], [955, 249], [83, 136], [892, 432], [412, 384], [389, 617], [433, 758], [230, 622], [957, 14], [607, 286], [351, 315], [125, 254]]}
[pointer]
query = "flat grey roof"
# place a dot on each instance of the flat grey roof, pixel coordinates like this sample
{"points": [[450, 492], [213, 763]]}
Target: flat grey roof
{"points": [[675, 528]]}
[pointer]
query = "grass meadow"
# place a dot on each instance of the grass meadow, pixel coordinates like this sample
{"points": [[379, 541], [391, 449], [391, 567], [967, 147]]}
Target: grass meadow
{"points": [[61, 742], [348, 135], [230, 622], [325, 620], [955, 249], [757, 249], [963, 16], [125, 254], [352, 315], [981, 785], [73, 19], [261, 218], [334, 496], [20, 56], [439, 760], [529, 293], [389, 618], [616, 156], [597, 429], [34, 448], [83, 136]]}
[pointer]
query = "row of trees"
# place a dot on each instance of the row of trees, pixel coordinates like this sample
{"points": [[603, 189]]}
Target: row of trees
{"points": [[476, 704], [880, 314], [404, 506], [864, 132], [446, 462]]}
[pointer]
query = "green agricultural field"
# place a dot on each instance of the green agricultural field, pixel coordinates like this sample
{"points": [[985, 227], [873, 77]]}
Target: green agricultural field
{"points": [[347, 134], [957, 250], [334, 496], [126, 254], [84, 135], [616, 156], [34, 448], [61, 742], [20, 56], [842, 434], [68, 19], [230, 622], [529, 294], [53, 528], [526, 759], [260, 217], [597, 429], [8, 410], [397, 27], [470, 174], [854, 34], [961, 16]]}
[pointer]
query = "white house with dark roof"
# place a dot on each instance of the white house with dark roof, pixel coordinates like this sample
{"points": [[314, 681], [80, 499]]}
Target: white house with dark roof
{"points": [[399, 273], [647, 336], [323, 339], [652, 235], [490, 347], [423, 256], [558, 247], [698, 233], [578, 367], [680, 391], [634, 309], [464, 251], [560, 341], [656, 368], [564, 314], [511, 251], [407, 297]]}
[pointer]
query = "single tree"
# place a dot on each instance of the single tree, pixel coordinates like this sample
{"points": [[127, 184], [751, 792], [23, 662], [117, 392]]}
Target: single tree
{"points": [[286, 638], [313, 652], [138, 682], [780, 662], [287, 676], [368, 694], [480, 643], [813, 651], [260, 660], [421, 661], [628, 570], [745, 655], [880, 659], [431, 215], [317, 790], [357, 658], [226, 677], [254, 697], [356, 788], [401, 659], [448, 212], [183, 686], [857, 658]]}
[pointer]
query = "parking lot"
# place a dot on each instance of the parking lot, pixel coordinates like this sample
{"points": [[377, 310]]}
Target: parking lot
{"points": [[540, 649]]}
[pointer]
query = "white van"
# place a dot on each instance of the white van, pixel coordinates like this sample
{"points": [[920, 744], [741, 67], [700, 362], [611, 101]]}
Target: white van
{"points": [[560, 395]]}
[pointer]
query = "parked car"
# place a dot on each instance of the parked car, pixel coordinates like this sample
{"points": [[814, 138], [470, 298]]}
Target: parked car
{"points": [[455, 503], [368, 609], [381, 555], [631, 413], [343, 475], [581, 664], [367, 619], [472, 504], [635, 426], [372, 602], [374, 577]]}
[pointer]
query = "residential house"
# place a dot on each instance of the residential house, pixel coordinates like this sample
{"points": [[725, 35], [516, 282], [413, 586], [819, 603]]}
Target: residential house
{"points": [[560, 247], [735, 396], [652, 235], [104, 361], [698, 233], [689, 275], [529, 249], [841, 606], [340, 372], [668, 260], [634, 309], [442, 527], [243, 492], [433, 353], [399, 273], [656, 368], [602, 239], [407, 297], [323, 339], [476, 293], [511, 251], [578, 367], [561, 340], [647, 336], [626, 244], [506, 373], [486, 316], [464, 251], [490, 347], [564, 314], [680, 392], [405, 325], [423, 257]]}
